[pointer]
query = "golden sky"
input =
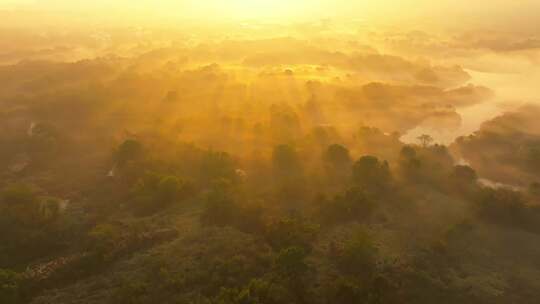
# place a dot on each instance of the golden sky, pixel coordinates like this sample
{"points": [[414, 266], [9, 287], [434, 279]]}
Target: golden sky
{"points": [[496, 12]]}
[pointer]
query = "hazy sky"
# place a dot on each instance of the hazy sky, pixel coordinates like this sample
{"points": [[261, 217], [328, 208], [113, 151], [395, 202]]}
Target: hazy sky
{"points": [[522, 14]]}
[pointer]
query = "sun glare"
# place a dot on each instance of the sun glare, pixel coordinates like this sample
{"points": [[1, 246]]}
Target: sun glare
{"points": [[267, 9]]}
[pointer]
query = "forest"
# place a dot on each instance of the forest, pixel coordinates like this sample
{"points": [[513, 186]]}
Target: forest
{"points": [[159, 166]]}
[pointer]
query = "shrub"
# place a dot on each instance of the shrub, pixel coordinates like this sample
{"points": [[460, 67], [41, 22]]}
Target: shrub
{"points": [[222, 210], [346, 290], [9, 287], [290, 232], [258, 291], [154, 192]]}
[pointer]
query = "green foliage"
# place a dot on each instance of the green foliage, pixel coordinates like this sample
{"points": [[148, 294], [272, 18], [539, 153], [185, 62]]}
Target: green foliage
{"points": [[291, 232], [211, 260], [337, 163], [225, 247], [372, 174], [431, 165], [132, 293], [463, 181], [286, 161], [258, 291], [288, 175], [346, 290], [20, 206], [410, 165], [290, 262], [508, 208], [284, 122], [10, 292], [218, 166], [465, 175], [222, 210], [359, 256], [353, 205], [337, 156], [31, 225], [129, 150], [154, 192]]}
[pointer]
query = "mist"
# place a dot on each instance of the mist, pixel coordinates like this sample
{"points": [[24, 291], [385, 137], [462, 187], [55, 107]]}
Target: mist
{"points": [[269, 152]]}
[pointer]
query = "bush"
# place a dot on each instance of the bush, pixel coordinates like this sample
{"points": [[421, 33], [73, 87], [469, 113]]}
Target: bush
{"points": [[9, 287], [346, 290], [258, 291], [31, 226], [132, 293], [20, 206], [155, 192], [291, 232], [222, 210]]}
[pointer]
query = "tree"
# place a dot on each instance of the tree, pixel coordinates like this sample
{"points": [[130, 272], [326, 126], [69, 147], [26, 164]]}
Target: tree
{"points": [[407, 153], [291, 232], [221, 210], [465, 174], [170, 188], [371, 174], [425, 140], [129, 150], [154, 192], [509, 208], [20, 206], [359, 256], [464, 180], [290, 262], [216, 166], [289, 178], [346, 290], [353, 205], [285, 123], [337, 156], [285, 160], [409, 163]]}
